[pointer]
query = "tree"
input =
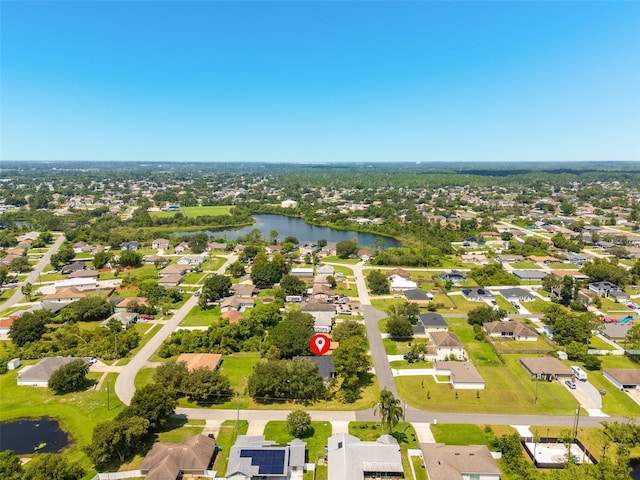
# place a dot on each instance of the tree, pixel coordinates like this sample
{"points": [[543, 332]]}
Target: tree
{"points": [[236, 269], [20, 264], [10, 466], [129, 258], [592, 362], [633, 337], [389, 409], [293, 334], [293, 285], [346, 248], [378, 282], [573, 328], [117, 438], [296, 380], [100, 259], [88, 309], [206, 385], [215, 287], [602, 270], [351, 357], [577, 351], [71, 377], [198, 242], [291, 239], [172, 376], [52, 466], [152, 402], [483, 314], [399, 327], [4, 274], [298, 423], [347, 329], [27, 290], [29, 327], [63, 256]]}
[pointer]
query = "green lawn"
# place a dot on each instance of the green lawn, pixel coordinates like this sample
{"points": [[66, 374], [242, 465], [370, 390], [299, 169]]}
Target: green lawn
{"points": [[539, 344], [400, 346], [146, 332], [193, 278], [213, 264], [596, 343], [526, 265], [453, 434], [316, 439], [415, 365], [77, 413], [462, 305], [238, 367], [225, 440], [505, 305], [198, 317], [403, 432], [346, 261], [537, 306], [144, 377], [480, 352], [191, 212], [342, 269]]}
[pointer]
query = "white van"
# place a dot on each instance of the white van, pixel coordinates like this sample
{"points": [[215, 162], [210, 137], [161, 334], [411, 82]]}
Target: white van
{"points": [[579, 373]]}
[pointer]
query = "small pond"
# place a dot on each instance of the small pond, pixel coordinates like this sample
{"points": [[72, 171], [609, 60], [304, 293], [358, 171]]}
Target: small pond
{"points": [[25, 437], [635, 469]]}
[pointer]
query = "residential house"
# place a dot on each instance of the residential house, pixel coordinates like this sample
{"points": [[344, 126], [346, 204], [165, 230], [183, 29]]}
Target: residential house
{"points": [[171, 280], [473, 242], [546, 368], [129, 303], [271, 249], [211, 246], [244, 290], [73, 267], [156, 259], [254, 458], [302, 272], [399, 272], [317, 306], [604, 289], [616, 331], [132, 246], [623, 378], [446, 345], [170, 461], [191, 260], [125, 318], [542, 259], [479, 259], [210, 361], [181, 247], [91, 274], [350, 458], [462, 375], [459, 462], [325, 270], [233, 316], [517, 295], [236, 303], [308, 249], [38, 375], [65, 295], [511, 330], [160, 244], [322, 321], [429, 322], [478, 294], [173, 269], [454, 276], [418, 296], [365, 254], [400, 284], [506, 258], [79, 246], [6, 324], [7, 259], [530, 275], [577, 258]]}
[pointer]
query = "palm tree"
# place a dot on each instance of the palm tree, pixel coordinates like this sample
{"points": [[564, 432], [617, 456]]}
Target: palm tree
{"points": [[26, 290], [389, 409]]}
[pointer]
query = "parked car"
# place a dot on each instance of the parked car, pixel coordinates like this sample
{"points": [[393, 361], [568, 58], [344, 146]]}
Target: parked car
{"points": [[93, 361], [147, 317], [570, 384]]}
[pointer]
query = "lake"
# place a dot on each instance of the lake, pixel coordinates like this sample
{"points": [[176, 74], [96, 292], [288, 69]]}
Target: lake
{"points": [[286, 226], [26, 437]]}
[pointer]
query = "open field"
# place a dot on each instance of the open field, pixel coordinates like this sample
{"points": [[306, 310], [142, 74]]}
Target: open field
{"points": [[526, 265], [192, 212], [539, 344], [199, 318]]}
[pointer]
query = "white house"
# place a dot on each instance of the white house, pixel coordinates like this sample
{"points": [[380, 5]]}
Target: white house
{"points": [[402, 284]]}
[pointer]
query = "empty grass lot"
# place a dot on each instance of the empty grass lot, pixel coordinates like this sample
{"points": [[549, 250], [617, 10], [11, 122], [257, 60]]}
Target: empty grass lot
{"points": [[192, 212], [316, 438], [201, 318], [539, 344]]}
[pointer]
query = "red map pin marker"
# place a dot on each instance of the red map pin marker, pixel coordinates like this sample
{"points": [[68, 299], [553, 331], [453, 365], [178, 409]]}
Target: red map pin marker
{"points": [[319, 344]]}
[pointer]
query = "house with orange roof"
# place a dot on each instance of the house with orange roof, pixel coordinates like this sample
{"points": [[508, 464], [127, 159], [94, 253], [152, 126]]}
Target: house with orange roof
{"points": [[65, 295], [233, 316]]}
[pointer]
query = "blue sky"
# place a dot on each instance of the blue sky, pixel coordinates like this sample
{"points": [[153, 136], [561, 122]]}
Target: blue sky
{"points": [[320, 81]]}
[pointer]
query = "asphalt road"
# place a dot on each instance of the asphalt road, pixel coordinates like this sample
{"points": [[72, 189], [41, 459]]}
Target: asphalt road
{"points": [[35, 273]]}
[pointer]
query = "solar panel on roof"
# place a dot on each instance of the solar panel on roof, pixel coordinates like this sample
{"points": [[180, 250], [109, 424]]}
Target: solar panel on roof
{"points": [[269, 462]]}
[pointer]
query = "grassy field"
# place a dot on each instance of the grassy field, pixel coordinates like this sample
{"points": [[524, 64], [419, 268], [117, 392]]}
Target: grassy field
{"points": [[400, 346], [462, 304], [225, 440], [537, 306], [454, 434], [213, 264], [193, 278], [77, 412], [198, 317], [316, 438], [539, 344], [596, 343], [526, 265], [346, 261], [191, 212], [403, 432]]}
